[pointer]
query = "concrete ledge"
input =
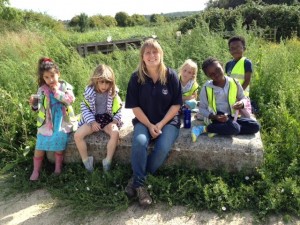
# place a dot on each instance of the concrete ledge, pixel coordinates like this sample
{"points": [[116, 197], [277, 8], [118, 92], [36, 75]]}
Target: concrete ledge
{"points": [[230, 153]]}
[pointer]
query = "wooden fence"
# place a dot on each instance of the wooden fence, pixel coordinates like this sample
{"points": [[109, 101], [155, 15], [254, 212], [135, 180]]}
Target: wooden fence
{"points": [[109, 46]]}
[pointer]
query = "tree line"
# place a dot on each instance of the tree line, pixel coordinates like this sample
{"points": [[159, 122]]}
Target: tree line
{"points": [[283, 19]]}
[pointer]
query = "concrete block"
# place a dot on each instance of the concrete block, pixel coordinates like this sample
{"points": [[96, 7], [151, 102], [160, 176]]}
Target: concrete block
{"points": [[229, 153]]}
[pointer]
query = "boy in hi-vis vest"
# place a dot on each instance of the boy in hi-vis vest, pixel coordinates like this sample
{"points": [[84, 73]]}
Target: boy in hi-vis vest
{"points": [[240, 68]]}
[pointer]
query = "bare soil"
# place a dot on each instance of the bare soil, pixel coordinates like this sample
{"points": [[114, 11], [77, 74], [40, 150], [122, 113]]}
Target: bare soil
{"points": [[40, 208]]}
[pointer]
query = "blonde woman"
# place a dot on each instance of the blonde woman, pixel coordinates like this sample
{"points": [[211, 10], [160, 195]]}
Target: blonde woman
{"points": [[154, 95]]}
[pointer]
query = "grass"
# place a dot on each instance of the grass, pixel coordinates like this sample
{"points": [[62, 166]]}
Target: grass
{"points": [[273, 188]]}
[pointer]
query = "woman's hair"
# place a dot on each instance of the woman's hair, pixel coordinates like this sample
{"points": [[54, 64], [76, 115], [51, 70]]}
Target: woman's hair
{"points": [[192, 64], [142, 69], [104, 72], [46, 64], [208, 62]]}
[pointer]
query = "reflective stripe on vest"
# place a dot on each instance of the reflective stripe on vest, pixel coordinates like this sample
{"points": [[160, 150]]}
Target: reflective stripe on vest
{"points": [[193, 89], [238, 72], [117, 104], [232, 94], [42, 112]]}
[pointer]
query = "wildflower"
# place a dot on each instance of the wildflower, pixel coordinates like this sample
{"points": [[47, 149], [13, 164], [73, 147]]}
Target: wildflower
{"points": [[85, 181], [87, 188], [247, 178], [76, 189], [282, 190], [14, 176], [149, 186], [224, 208]]}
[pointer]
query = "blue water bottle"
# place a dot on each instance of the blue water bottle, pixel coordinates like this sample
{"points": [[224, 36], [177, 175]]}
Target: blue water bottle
{"points": [[187, 118]]}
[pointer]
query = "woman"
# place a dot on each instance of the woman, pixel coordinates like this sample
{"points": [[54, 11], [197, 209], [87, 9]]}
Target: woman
{"points": [[154, 95]]}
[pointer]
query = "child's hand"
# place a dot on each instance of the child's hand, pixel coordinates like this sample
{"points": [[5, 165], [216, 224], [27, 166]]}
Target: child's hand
{"points": [[31, 100], [221, 118], [34, 100], [55, 87], [238, 105], [95, 126]]}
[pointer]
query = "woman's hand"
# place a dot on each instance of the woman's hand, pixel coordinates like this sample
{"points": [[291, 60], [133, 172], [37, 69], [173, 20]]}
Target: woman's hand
{"points": [[154, 131]]}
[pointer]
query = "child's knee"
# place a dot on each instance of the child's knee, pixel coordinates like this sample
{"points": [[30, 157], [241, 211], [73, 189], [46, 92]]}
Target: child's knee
{"points": [[78, 136]]}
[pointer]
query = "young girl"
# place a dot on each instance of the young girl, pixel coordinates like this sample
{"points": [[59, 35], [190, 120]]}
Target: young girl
{"points": [[101, 111], [220, 100], [55, 115], [189, 86]]}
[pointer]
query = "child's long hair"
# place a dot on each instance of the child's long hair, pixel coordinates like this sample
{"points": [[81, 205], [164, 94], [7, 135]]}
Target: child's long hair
{"points": [[104, 72], [142, 69], [192, 64], [46, 64]]}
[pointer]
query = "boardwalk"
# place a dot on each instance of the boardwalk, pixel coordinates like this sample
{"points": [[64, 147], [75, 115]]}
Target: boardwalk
{"points": [[109, 46]]}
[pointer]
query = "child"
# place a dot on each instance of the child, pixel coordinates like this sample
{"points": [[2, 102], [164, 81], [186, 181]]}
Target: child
{"points": [[220, 97], [101, 111], [189, 85], [55, 115], [240, 68]]}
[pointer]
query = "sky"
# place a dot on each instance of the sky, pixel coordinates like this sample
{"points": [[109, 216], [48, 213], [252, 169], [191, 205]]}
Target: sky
{"points": [[67, 9]]}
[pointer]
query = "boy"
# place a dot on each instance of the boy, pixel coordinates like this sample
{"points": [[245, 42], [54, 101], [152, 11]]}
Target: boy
{"points": [[240, 68]]}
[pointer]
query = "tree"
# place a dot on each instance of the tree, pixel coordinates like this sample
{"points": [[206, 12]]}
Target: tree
{"points": [[109, 21], [74, 21], [122, 19], [96, 22], [156, 18], [11, 14], [83, 22], [138, 19], [226, 4]]}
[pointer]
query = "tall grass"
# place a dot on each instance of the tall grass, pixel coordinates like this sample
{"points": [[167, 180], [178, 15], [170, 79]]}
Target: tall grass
{"points": [[274, 188]]}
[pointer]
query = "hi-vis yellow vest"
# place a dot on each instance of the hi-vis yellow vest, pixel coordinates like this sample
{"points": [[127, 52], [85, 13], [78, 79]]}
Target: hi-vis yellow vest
{"points": [[232, 94], [117, 104], [192, 90], [238, 72], [42, 112]]}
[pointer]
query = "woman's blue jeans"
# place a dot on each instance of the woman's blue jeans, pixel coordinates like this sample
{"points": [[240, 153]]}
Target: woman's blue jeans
{"points": [[141, 162]]}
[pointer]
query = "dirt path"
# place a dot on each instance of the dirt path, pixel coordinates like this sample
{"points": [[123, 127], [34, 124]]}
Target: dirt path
{"points": [[39, 208]]}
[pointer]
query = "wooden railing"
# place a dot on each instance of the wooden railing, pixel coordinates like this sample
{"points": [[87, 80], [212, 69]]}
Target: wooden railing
{"points": [[109, 46]]}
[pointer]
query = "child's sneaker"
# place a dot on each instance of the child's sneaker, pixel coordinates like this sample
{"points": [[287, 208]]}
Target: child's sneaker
{"points": [[196, 131], [106, 165], [89, 164]]}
